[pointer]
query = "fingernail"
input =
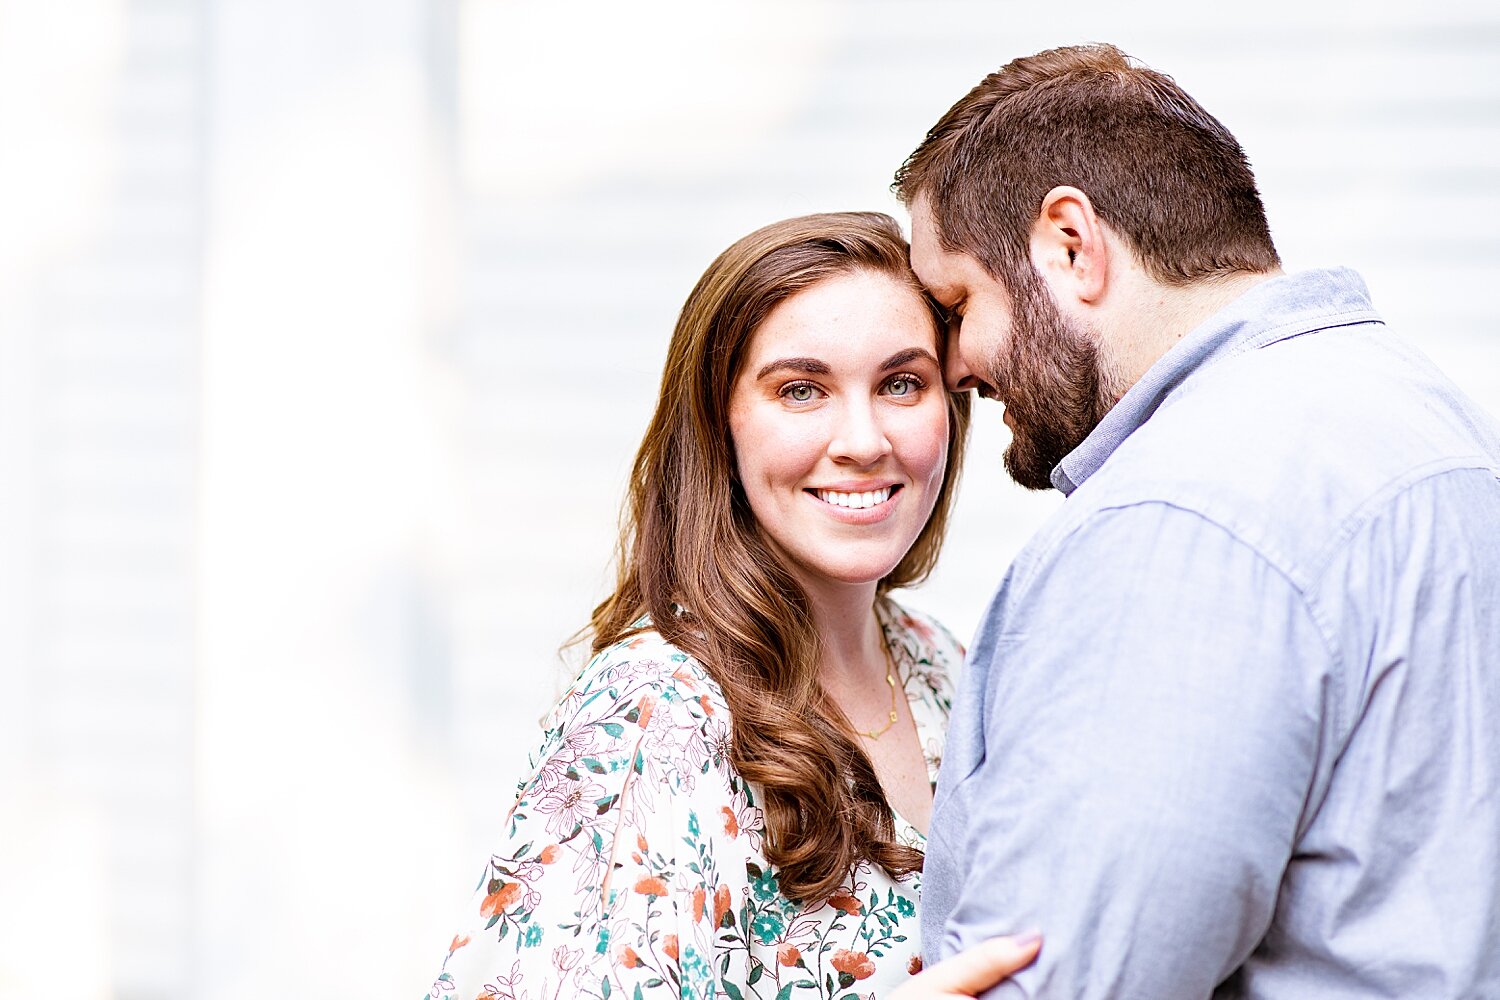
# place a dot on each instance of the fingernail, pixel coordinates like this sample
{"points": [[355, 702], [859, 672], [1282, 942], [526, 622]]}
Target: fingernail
{"points": [[1028, 939]]}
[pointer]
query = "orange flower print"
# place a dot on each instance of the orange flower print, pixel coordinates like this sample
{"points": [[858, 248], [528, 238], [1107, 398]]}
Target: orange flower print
{"points": [[699, 897], [495, 903], [629, 958], [640, 841], [721, 905], [549, 854], [647, 704], [651, 885], [669, 946], [855, 963], [731, 822], [919, 627], [788, 955], [458, 942], [914, 965], [847, 903]]}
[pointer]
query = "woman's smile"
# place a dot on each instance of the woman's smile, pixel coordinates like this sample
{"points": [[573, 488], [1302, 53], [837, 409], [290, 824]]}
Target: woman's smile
{"points": [[840, 427]]}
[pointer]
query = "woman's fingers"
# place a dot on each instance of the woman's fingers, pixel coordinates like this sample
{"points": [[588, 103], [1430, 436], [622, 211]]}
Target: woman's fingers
{"points": [[973, 970]]}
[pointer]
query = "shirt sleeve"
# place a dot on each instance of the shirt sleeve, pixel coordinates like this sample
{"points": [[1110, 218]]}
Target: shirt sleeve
{"points": [[1153, 713], [617, 866]]}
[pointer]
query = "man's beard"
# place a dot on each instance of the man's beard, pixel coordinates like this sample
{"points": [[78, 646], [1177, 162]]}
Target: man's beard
{"points": [[1050, 378]]}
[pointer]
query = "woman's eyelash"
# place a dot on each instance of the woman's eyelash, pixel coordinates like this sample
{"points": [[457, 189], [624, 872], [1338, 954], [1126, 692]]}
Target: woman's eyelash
{"points": [[791, 387]]}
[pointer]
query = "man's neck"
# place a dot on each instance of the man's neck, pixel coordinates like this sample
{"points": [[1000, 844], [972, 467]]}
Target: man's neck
{"points": [[1153, 317]]}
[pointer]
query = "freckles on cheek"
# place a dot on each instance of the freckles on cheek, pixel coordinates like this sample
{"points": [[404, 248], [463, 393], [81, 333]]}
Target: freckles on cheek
{"points": [[926, 453]]}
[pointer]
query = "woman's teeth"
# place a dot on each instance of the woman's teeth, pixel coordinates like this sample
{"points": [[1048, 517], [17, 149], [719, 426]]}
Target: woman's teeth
{"points": [[856, 501]]}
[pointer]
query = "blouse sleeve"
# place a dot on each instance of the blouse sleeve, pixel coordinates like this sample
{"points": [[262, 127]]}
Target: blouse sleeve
{"points": [[625, 851]]}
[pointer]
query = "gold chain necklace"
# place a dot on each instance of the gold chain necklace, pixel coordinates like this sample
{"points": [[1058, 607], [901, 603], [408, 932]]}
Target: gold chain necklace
{"points": [[890, 678]]}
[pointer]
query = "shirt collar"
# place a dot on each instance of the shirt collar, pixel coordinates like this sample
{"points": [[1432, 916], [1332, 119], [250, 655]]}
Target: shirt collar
{"points": [[1276, 309]]}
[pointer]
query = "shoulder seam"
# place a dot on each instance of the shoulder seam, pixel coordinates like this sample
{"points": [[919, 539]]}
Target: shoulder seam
{"points": [[1304, 598]]}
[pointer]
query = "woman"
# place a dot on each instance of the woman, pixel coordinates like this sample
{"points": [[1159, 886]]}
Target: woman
{"points": [[732, 797]]}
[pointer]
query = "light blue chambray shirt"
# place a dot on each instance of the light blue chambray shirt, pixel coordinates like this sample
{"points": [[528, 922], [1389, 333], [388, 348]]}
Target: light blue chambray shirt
{"points": [[1231, 726]]}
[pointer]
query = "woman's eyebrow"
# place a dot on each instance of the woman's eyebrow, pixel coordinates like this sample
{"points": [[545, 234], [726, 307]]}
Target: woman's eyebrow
{"points": [[906, 357], [807, 366]]}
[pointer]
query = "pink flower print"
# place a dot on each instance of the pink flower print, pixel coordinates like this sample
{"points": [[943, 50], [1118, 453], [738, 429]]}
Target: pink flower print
{"points": [[571, 807], [504, 987], [717, 743]]}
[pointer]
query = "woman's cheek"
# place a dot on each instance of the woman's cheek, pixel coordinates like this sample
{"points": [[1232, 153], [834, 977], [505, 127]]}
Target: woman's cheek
{"points": [[926, 449]]}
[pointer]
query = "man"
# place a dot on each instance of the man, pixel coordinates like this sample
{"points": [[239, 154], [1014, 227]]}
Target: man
{"points": [[1231, 726]]}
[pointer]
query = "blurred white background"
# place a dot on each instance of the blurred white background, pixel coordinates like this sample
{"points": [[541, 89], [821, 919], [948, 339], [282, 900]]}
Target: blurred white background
{"points": [[327, 330]]}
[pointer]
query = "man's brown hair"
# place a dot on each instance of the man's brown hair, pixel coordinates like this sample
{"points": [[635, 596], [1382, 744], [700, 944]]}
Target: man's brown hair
{"points": [[1161, 172]]}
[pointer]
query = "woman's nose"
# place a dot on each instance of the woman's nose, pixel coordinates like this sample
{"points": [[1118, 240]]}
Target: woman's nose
{"points": [[859, 437]]}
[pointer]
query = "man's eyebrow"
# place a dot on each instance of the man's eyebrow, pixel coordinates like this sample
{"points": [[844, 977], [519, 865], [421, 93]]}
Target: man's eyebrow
{"points": [[807, 366], [906, 357]]}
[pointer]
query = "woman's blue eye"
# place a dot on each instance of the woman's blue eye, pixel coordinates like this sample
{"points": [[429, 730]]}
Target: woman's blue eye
{"points": [[901, 385], [800, 393]]}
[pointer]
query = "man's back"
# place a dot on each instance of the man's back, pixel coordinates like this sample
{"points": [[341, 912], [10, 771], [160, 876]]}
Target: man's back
{"points": [[1358, 471], [1281, 770]]}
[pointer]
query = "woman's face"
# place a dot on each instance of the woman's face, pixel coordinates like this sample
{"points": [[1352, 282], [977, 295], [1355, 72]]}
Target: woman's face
{"points": [[839, 420]]}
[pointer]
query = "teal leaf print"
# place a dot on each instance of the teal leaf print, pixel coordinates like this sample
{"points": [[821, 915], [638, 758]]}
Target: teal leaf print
{"points": [[614, 729]]}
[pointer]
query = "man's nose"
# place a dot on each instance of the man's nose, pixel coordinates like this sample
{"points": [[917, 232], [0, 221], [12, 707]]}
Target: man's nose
{"points": [[956, 372]]}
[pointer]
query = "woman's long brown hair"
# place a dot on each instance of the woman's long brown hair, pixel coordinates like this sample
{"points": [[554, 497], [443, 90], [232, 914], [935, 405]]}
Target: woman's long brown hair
{"points": [[693, 559]]}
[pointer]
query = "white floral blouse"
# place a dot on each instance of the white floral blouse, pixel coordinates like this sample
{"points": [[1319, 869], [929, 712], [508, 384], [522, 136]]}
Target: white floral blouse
{"points": [[633, 863]]}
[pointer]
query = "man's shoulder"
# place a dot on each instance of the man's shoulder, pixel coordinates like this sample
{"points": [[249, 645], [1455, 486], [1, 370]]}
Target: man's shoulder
{"points": [[1285, 444]]}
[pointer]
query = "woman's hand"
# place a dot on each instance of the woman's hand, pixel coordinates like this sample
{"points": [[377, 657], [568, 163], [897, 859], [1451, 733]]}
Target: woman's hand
{"points": [[973, 971]]}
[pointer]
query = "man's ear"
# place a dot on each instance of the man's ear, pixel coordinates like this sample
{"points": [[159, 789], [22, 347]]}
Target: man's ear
{"points": [[1068, 247]]}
